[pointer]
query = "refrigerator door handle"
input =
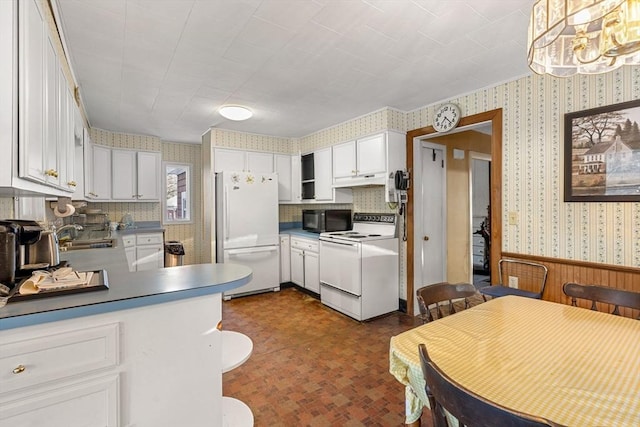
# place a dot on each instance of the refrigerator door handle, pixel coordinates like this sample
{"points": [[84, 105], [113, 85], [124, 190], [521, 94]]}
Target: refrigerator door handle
{"points": [[226, 212], [252, 250]]}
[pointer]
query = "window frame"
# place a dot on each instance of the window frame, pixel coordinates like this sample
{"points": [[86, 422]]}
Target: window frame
{"points": [[189, 171]]}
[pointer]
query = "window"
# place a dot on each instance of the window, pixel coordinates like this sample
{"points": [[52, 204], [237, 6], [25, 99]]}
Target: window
{"points": [[177, 193]]}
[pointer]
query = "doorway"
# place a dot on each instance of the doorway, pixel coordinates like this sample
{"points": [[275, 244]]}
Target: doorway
{"points": [[480, 204], [415, 237]]}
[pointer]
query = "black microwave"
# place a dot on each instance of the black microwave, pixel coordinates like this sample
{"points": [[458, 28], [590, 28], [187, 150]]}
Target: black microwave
{"points": [[321, 220]]}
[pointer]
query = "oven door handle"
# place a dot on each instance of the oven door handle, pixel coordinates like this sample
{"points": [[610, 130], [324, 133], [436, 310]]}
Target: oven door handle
{"points": [[333, 242]]}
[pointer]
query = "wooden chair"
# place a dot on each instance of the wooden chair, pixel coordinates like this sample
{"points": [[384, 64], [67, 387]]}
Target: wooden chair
{"points": [[603, 294], [531, 278], [441, 292], [464, 405]]}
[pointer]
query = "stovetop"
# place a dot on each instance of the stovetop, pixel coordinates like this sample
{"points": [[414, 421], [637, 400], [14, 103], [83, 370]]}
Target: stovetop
{"points": [[366, 227]]}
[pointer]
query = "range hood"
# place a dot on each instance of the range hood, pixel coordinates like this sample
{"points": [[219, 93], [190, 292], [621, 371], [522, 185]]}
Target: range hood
{"points": [[379, 179]]}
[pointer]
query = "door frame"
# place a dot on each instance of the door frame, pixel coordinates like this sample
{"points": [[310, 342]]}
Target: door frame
{"points": [[495, 117]]}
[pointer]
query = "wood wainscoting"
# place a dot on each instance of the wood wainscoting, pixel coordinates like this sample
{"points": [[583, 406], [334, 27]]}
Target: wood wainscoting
{"points": [[587, 273]]}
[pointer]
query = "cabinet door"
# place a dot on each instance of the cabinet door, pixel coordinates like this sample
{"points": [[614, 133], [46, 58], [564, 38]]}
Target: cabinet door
{"points": [[51, 123], [344, 160], [311, 271], [285, 259], [296, 179], [148, 177], [259, 162], [297, 266], [101, 173], [32, 39], [228, 160], [130, 253], [323, 176], [149, 257], [283, 169], [123, 175], [372, 155]]}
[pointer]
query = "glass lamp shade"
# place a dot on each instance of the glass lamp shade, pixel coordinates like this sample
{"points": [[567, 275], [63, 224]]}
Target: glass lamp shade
{"points": [[583, 36], [235, 112]]}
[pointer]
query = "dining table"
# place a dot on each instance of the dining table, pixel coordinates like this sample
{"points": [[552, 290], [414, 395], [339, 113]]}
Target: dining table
{"points": [[569, 365]]}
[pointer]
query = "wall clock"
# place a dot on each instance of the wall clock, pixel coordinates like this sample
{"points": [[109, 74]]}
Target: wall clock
{"points": [[447, 117]]}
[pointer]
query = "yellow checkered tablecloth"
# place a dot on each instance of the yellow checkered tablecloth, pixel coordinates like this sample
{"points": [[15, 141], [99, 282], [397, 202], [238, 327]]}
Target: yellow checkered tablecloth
{"points": [[570, 365]]}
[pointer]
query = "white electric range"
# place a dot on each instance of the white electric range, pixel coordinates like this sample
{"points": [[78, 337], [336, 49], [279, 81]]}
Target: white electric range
{"points": [[359, 268]]}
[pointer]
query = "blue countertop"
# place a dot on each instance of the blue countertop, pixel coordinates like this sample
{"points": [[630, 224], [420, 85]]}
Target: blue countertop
{"points": [[128, 290], [300, 232]]}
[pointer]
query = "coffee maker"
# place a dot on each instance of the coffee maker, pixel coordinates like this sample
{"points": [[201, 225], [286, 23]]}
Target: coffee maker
{"points": [[16, 237]]}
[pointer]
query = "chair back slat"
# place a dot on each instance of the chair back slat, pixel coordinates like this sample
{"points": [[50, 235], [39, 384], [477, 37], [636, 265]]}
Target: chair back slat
{"points": [[440, 293], [531, 276], [467, 407], [602, 294]]}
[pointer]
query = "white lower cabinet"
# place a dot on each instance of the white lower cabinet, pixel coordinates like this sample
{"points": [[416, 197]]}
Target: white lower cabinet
{"points": [[155, 365], [285, 258], [144, 251], [305, 268], [61, 379]]}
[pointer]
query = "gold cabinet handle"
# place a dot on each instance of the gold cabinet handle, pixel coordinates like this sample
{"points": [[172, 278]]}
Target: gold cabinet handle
{"points": [[19, 369], [72, 183], [51, 172]]}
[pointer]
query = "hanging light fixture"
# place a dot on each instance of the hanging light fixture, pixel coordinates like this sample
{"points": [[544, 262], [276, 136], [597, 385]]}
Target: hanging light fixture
{"points": [[583, 36], [235, 112]]}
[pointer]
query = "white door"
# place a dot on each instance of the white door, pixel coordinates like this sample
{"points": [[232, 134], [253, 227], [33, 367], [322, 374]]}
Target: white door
{"points": [[283, 169], [228, 160], [264, 263], [259, 162], [344, 160], [372, 155], [148, 176], [433, 190], [297, 266], [250, 213], [323, 174], [340, 266], [311, 272], [101, 173], [123, 163]]}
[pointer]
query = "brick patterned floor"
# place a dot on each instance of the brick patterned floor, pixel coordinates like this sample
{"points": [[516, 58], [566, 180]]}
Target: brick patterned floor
{"points": [[312, 366]]}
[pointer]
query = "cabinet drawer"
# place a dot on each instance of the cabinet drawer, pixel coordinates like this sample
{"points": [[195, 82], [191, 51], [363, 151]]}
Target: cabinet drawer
{"points": [[129, 241], [304, 244], [53, 357], [149, 239]]}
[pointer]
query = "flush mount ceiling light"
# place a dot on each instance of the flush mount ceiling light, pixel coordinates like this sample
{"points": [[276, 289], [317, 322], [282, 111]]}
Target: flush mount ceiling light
{"points": [[235, 112], [583, 36]]}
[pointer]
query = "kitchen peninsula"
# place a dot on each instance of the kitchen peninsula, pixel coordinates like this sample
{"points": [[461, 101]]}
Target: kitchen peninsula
{"points": [[144, 352]]}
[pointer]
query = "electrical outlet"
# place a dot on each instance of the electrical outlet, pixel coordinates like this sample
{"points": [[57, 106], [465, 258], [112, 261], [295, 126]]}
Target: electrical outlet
{"points": [[513, 282], [513, 218]]}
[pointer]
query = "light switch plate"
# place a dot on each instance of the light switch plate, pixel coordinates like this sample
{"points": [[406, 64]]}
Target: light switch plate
{"points": [[513, 218]]}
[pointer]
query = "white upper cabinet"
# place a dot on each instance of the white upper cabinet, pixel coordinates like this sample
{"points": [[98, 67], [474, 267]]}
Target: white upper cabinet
{"points": [[364, 159], [323, 174], [371, 155], [283, 169], [97, 172], [148, 175], [135, 175], [44, 105], [32, 38], [242, 161], [369, 161], [344, 160]]}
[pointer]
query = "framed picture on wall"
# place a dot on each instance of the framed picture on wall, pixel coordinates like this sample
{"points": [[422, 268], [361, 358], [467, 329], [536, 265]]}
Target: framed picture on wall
{"points": [[602, 154]]}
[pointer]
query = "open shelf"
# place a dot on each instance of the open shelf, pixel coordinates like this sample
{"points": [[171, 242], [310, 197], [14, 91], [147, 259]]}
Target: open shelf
{"points": [[235, 413], [237, 348]]}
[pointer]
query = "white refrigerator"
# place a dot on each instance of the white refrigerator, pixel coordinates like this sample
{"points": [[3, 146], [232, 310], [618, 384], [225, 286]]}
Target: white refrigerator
{"points": [[247, 230]]}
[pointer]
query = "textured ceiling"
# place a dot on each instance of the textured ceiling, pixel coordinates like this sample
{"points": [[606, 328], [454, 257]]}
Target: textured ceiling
{"points": [[163, 67]]}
